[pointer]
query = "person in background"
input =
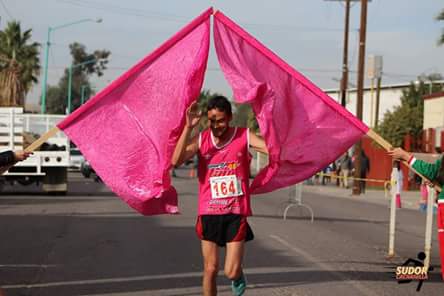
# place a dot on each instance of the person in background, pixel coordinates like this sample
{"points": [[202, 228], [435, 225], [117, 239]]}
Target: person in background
{"points": [[424, 191], [365, 169], [345, 167]]}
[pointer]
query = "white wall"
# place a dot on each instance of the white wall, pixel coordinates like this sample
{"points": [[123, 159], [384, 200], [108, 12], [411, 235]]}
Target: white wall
{"points": [[433, 112], [389, 98]]}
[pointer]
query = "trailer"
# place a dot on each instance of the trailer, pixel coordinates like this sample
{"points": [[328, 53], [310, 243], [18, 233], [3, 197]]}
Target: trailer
{"points": [[47, 166]]}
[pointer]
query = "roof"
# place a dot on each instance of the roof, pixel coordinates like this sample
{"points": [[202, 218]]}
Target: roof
{"points": [[386, 86], [434, 96]]}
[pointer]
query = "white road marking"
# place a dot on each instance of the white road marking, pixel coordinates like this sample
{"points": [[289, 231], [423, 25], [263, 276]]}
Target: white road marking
{"points": [[267, 270], [324, 266]]}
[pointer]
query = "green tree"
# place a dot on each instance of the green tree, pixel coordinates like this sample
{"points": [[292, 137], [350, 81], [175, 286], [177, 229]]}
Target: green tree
{"points": [[245, 117], [241, 114], [57, 95], [440, 17], [19, 64], [408, 117]]}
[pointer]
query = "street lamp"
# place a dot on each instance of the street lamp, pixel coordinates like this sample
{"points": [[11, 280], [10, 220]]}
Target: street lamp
{"points": [[45, 68], [82, 93], [71, 67], [83, 89]]}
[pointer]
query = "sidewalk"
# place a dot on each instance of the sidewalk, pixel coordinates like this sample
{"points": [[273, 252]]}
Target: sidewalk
{"points": [[409, 199]]}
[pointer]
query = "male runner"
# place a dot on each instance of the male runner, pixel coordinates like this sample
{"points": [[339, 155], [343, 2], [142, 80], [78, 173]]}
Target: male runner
{"points": [[224, 198]]}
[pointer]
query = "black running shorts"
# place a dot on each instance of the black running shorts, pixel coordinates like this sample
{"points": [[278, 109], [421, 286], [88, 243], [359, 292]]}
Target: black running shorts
{"points": [[222, 229]]}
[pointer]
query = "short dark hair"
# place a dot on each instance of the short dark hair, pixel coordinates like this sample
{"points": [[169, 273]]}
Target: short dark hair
{"points": [[221, 103]]}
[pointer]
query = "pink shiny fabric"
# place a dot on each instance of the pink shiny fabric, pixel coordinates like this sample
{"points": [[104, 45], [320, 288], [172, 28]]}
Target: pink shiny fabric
{"points": [[305, 130], [233, 158], [129, 130]]}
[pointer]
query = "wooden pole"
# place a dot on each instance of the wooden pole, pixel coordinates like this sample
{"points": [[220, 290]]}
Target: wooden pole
{"points": [[360, 93], [378, 93], [344, 80], [37, 143]]}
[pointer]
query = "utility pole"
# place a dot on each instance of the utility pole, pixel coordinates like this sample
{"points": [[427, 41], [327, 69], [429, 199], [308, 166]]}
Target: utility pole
{"points": [[374, 71], [344, 80], [378, 93], [360, 84]]}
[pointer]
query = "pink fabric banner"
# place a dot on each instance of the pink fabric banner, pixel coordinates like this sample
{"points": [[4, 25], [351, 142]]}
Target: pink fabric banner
{"points": [[129, 130], [305, 130]]}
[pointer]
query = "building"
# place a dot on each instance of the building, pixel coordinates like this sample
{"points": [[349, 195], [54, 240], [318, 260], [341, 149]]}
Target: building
{"points": [[390, 96], [433, 121], [434, 110]]}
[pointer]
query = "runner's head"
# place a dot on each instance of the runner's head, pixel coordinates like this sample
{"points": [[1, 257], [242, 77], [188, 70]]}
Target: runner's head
{"points": [[219, 115]]}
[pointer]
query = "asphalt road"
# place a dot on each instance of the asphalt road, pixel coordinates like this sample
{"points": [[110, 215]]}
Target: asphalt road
{"points": [[90, 243]]}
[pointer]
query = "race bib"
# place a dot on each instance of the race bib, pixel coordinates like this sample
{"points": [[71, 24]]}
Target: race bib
{"points": [[225, 186]]}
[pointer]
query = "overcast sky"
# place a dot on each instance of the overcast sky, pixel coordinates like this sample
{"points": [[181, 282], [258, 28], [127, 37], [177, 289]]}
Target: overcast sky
{"points": [[308, 34]]}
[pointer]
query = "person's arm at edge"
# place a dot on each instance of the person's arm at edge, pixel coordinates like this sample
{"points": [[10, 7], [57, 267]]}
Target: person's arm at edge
{"points": [[7, 158], [10, 158], [185, 147], [429, 170]]}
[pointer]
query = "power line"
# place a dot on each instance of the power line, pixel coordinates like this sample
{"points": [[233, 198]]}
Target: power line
{"points": [[216, 69], [120, 10], [125, 11], [399, 75], [292, 27], [6, 10]]}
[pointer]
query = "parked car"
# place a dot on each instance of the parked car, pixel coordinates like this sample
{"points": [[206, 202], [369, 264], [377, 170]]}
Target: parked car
{"points": [[87, 171], [76, 159]]}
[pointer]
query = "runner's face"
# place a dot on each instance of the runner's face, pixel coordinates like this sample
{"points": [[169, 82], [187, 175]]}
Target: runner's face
{"points": [[218, 122]]}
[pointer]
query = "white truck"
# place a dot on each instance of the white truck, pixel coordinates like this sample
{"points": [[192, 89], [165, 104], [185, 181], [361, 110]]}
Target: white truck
{"points": [[47, 166]]}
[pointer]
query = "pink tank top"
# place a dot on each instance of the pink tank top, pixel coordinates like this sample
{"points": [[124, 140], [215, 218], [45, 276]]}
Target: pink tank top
{"points": [[224, 174]]}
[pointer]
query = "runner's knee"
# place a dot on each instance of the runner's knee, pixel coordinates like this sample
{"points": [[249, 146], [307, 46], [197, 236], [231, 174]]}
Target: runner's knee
{"points": [[233, 272], [211, 269]]}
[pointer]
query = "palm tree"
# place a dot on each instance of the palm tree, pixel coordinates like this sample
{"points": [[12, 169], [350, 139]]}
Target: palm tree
{"points": [[440, 17], [19, 64]]}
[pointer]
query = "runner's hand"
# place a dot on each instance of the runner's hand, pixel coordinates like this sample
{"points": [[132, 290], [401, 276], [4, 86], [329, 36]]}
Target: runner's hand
{"points": [[428, 183], [193, 115], [399, 154], [21, 155]]}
